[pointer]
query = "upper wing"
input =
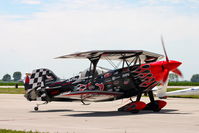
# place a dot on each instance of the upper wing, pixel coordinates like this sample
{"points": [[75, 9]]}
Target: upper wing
{"points": [[115, 55]]}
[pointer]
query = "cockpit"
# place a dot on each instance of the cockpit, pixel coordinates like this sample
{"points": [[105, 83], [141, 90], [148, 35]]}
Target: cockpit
{"points": [[87, 72]]}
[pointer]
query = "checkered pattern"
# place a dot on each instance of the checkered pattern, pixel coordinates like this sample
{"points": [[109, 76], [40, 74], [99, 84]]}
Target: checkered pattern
{"points": [[36, 78]]}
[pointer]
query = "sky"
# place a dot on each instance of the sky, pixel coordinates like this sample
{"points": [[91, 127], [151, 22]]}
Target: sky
{"points": [[34, 32]]}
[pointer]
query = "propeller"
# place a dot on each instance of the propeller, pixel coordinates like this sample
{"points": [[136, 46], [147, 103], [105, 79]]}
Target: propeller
{"points": [[167, 59], [169, 65], [178, 72], [166, 67], [165, 71]]}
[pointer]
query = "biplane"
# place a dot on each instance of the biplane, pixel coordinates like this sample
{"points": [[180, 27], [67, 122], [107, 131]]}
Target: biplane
{"points": [[139, 72]]}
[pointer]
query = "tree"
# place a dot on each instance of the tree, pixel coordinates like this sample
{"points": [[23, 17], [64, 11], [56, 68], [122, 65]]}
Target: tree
{"points": [[17, 76], [6, 77], [195, 78], [173, 77]]}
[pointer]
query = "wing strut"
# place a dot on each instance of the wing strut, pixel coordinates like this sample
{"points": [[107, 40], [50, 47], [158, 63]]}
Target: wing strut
{"points": [[94, 61]]}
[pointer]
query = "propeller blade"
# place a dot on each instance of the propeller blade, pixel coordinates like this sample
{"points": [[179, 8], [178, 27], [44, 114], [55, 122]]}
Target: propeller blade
{"points": [[167, 59], [178, 72]]}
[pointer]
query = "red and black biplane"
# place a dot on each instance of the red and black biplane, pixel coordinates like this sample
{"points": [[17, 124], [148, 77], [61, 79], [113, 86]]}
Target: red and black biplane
{"points": [[140, 71]]}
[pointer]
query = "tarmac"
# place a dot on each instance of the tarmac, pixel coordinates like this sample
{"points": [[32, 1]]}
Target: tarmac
{"points": [[180, 115]]}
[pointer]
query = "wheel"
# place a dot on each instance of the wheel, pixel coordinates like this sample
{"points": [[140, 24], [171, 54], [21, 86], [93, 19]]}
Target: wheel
{"points": [[155, 107], [36, 108]]}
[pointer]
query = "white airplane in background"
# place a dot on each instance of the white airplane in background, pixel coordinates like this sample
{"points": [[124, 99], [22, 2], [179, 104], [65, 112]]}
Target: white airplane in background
{"points": [[162, 93]]}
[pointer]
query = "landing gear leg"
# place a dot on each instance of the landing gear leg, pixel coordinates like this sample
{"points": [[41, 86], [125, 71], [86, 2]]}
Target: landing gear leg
{"points": [[37, 107], [139, 97], [151, 97], [84, 102]]}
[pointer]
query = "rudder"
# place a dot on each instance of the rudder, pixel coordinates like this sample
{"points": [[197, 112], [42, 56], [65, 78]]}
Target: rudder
{"points": [[39, 79]]}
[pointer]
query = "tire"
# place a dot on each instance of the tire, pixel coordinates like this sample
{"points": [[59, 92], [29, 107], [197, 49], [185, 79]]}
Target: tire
{"points": [[155, 107], [36, 108]]}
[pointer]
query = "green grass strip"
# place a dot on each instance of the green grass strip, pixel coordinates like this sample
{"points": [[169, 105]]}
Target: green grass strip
{"points": [[11, 84], [183, 83], [12, 91], [186, 96], [173, 89], [15, 131]]}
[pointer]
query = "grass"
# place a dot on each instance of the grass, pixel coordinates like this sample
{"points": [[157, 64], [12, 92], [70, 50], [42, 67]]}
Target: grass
{"points": [[173, 89], [183, 83], [11, 84], [12, 91], [186, 96], [15, 131]]}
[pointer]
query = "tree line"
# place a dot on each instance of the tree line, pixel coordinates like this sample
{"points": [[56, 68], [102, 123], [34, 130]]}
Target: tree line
{"points": [[16, 77], [175, 78]]}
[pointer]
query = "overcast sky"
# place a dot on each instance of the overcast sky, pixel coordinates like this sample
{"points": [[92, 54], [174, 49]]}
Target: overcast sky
{"points": [[33, 32]]}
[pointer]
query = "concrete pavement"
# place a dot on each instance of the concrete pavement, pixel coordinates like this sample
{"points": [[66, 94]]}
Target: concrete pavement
{"points": [[180, 115]]}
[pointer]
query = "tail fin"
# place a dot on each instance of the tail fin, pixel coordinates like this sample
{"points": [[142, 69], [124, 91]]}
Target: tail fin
{"points": [[41, 77]]}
